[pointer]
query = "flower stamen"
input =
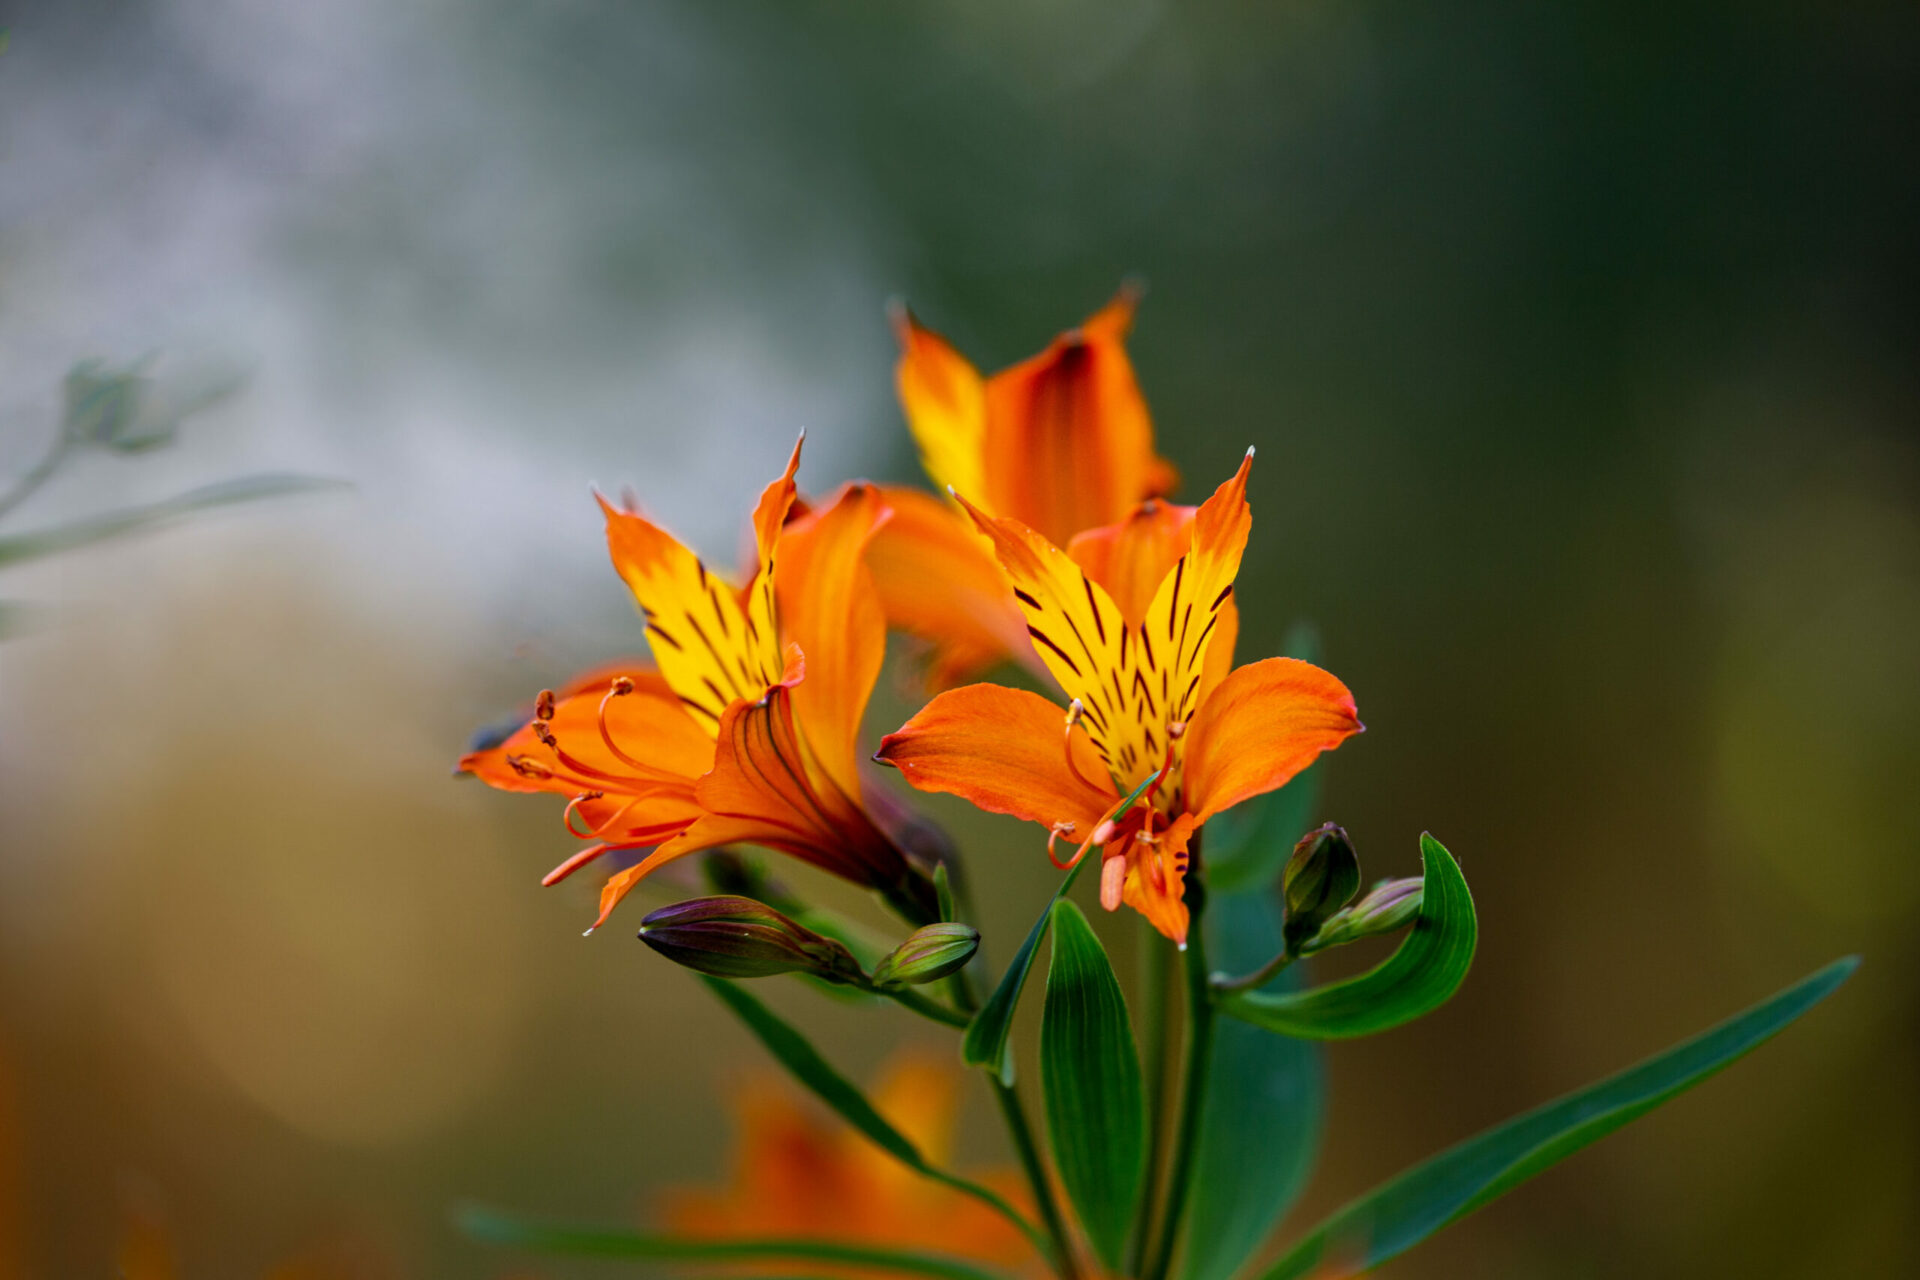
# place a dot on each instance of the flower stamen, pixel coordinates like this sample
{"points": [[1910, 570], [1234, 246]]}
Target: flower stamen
{"points": [[620, 688], [573, 806], [1059, 829]]}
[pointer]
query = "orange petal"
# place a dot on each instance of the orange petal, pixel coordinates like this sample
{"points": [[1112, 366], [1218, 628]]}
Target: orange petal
{"points": [[829, 608], [1132, 557], [937, 578], [1004, 750], [945, 404], [1184, 616], [1156, 880], [1265, 723], [1218, 661], [708, 648], [1068, 444], [761, 791]]}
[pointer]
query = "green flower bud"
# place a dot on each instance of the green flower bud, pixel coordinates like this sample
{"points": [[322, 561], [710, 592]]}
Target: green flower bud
{"points": [[1321, 877], [734, 937], [1389, 905], [929, 954]]}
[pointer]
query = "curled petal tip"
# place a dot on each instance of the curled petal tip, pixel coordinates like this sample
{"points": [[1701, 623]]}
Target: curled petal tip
{"points": [[1182, 944], [588, 932], [1249, 451]]}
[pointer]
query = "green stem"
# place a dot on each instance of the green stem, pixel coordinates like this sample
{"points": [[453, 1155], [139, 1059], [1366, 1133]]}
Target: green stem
{"points": [[1043, 1242], [1065, 1263], [925, 1006], [493, 1228], [1155, 981], [1258, 978], [37, 475], [1193, 1088]]}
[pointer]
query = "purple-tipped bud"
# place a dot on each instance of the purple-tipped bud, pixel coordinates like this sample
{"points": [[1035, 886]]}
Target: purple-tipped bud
{"points": [[1389, 905], [929, 954], [1321, 877], [734, 937]]}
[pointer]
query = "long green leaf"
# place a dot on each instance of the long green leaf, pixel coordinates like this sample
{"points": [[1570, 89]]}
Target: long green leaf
{"points": [[1419, 977], [1090, 1072], [116, 524], [1397, 1216], [1266, 1098], [985, 1044], [495, 1228], [799, 1057]]}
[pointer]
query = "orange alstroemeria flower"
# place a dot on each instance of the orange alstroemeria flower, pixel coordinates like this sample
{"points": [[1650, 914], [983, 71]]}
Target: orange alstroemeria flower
{"points": [[1135, 623], [1061, 442], [744, 731], [797, 1175]]}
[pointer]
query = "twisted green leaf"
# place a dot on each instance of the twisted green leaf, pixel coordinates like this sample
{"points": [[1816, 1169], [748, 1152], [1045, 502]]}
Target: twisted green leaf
{"points": [[1419, 977]]}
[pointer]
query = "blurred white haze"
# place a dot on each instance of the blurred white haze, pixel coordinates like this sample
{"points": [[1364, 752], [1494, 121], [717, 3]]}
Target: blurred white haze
{"points": [[461, 276]]}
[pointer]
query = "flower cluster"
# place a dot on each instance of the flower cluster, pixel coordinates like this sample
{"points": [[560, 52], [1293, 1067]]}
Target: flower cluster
{"points": [[1055, 558], [744, 727]]}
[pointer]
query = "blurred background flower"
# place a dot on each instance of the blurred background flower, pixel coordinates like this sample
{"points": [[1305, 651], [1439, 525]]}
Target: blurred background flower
{"points": [[798, 1173], [1577, 345]]}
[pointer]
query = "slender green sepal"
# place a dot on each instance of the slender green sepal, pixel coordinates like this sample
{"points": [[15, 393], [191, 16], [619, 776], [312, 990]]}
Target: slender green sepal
{"points": [[985, 1044], [1419, 977], [1395, 1217], [1090, 1072]]}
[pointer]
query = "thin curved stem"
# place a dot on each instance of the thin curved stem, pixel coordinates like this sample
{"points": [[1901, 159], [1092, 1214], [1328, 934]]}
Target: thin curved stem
{"points": [[1065, 1262], [1258, 978], [1042, 1241], [36, 475], [925, 1006]]}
